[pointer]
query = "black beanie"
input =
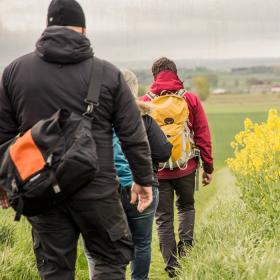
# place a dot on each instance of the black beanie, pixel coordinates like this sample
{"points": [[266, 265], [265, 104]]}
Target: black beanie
{"points": [[66, 13]]}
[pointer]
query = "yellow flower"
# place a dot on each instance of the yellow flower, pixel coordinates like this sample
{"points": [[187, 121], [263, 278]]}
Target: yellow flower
{"points": [[256, 148], [248, 124]]}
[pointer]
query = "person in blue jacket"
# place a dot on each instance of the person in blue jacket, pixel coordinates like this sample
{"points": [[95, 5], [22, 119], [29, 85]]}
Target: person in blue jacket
{"points": [[140, 224]]}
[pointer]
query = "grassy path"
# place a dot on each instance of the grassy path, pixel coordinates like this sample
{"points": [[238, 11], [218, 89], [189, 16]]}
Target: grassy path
{"points": [[231, 241], [204, 198]]}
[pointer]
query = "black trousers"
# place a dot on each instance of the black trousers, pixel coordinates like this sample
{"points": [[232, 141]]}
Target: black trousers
{"points": [[104, 228], [184, 188]]}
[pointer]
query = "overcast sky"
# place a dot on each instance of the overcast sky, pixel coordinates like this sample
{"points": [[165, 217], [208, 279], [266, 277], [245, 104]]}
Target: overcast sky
{"points": [[146, 29]]}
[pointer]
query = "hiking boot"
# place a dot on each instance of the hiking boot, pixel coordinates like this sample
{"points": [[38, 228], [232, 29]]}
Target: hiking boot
{"points": [[173, 271], [184, 247]]}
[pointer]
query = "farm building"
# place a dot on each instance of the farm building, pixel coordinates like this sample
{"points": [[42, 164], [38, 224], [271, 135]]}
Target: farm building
{"points": [[218, 91], [275, 89]]}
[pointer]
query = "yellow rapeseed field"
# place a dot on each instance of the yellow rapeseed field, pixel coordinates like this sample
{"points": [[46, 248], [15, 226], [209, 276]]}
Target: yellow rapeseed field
{"points": [[257, 164]]}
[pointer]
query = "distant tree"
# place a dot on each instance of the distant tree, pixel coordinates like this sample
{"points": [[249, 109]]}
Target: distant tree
{"points": [[201, 85], [201, 69], [144, 76], [253, 81], [213, 80]]}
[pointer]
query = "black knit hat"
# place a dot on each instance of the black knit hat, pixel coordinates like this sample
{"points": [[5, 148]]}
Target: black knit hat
{"points": [[66, 13]]}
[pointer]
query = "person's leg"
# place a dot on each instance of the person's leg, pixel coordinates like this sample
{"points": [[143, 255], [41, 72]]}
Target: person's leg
{"points": [[141, 226], [106, 235], [91, 261], [104, 270], [185, 188], [55, 244], [165, 224]]}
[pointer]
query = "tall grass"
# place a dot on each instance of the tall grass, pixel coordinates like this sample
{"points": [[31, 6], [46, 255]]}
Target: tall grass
{"points": [[16, 255], [232, 242]]}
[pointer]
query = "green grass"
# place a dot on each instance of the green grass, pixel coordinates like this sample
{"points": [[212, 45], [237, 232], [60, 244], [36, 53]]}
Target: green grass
{"points": [[229, 239], [241, 103], [223, 128], [16, 255]]}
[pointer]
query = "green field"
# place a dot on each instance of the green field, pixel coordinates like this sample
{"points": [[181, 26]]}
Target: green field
{"points": [[226, 115], [228, 239]]}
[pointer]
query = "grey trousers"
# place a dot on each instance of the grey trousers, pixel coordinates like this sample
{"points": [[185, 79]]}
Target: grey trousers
{"points": [[184, 188]]}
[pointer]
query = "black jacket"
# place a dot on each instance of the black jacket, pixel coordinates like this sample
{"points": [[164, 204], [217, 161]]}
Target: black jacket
{"points": [[159, 145], [56, 76]]}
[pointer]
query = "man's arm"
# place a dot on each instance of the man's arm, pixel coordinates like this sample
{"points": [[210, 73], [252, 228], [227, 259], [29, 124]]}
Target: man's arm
{"points": [[4, 201], [8, 129], [8, 125], [202, 139]]}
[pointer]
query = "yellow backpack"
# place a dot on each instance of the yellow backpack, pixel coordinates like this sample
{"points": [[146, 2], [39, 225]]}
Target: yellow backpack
{"points": [[171, 112]]}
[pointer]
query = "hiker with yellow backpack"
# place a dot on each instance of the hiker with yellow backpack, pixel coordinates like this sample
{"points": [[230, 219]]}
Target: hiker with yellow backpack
{"points": [[182, 118]]}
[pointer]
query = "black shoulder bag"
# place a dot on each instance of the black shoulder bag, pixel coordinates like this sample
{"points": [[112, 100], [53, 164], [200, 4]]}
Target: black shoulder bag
{"points": [[55, 158]]}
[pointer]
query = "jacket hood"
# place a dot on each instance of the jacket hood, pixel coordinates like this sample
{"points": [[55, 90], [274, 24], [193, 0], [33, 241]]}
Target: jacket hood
{"points": [[63, 45], [166, 80]]}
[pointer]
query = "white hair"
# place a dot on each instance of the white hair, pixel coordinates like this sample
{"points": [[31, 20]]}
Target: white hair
{"points": [[131, 81]]}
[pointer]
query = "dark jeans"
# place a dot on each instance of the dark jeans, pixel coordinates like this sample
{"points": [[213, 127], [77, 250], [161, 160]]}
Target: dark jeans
{"points": [[184, 188], [105, 231], [141, 228]]}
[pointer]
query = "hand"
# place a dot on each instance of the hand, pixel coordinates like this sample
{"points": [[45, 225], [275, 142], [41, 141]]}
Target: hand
{"points": [[4, 201], [206, 178], [144, 195]]}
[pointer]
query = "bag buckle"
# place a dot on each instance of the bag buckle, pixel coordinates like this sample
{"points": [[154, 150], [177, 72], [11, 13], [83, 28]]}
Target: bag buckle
{"points": [[90, 108]]}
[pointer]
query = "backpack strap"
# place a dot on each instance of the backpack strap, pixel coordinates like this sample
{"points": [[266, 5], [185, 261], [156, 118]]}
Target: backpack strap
{"points": [[96, 75], [151, 95], [181, 92]]}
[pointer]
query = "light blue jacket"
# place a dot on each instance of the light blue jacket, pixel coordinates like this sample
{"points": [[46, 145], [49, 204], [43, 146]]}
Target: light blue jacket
{"points": [[121, 164]]}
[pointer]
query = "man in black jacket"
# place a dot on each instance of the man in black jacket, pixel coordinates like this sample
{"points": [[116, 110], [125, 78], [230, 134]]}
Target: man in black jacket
{"points": [[56, 76]]}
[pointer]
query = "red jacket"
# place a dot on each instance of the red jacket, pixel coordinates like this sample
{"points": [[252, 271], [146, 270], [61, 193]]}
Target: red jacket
{"points": [[168, 80]]}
